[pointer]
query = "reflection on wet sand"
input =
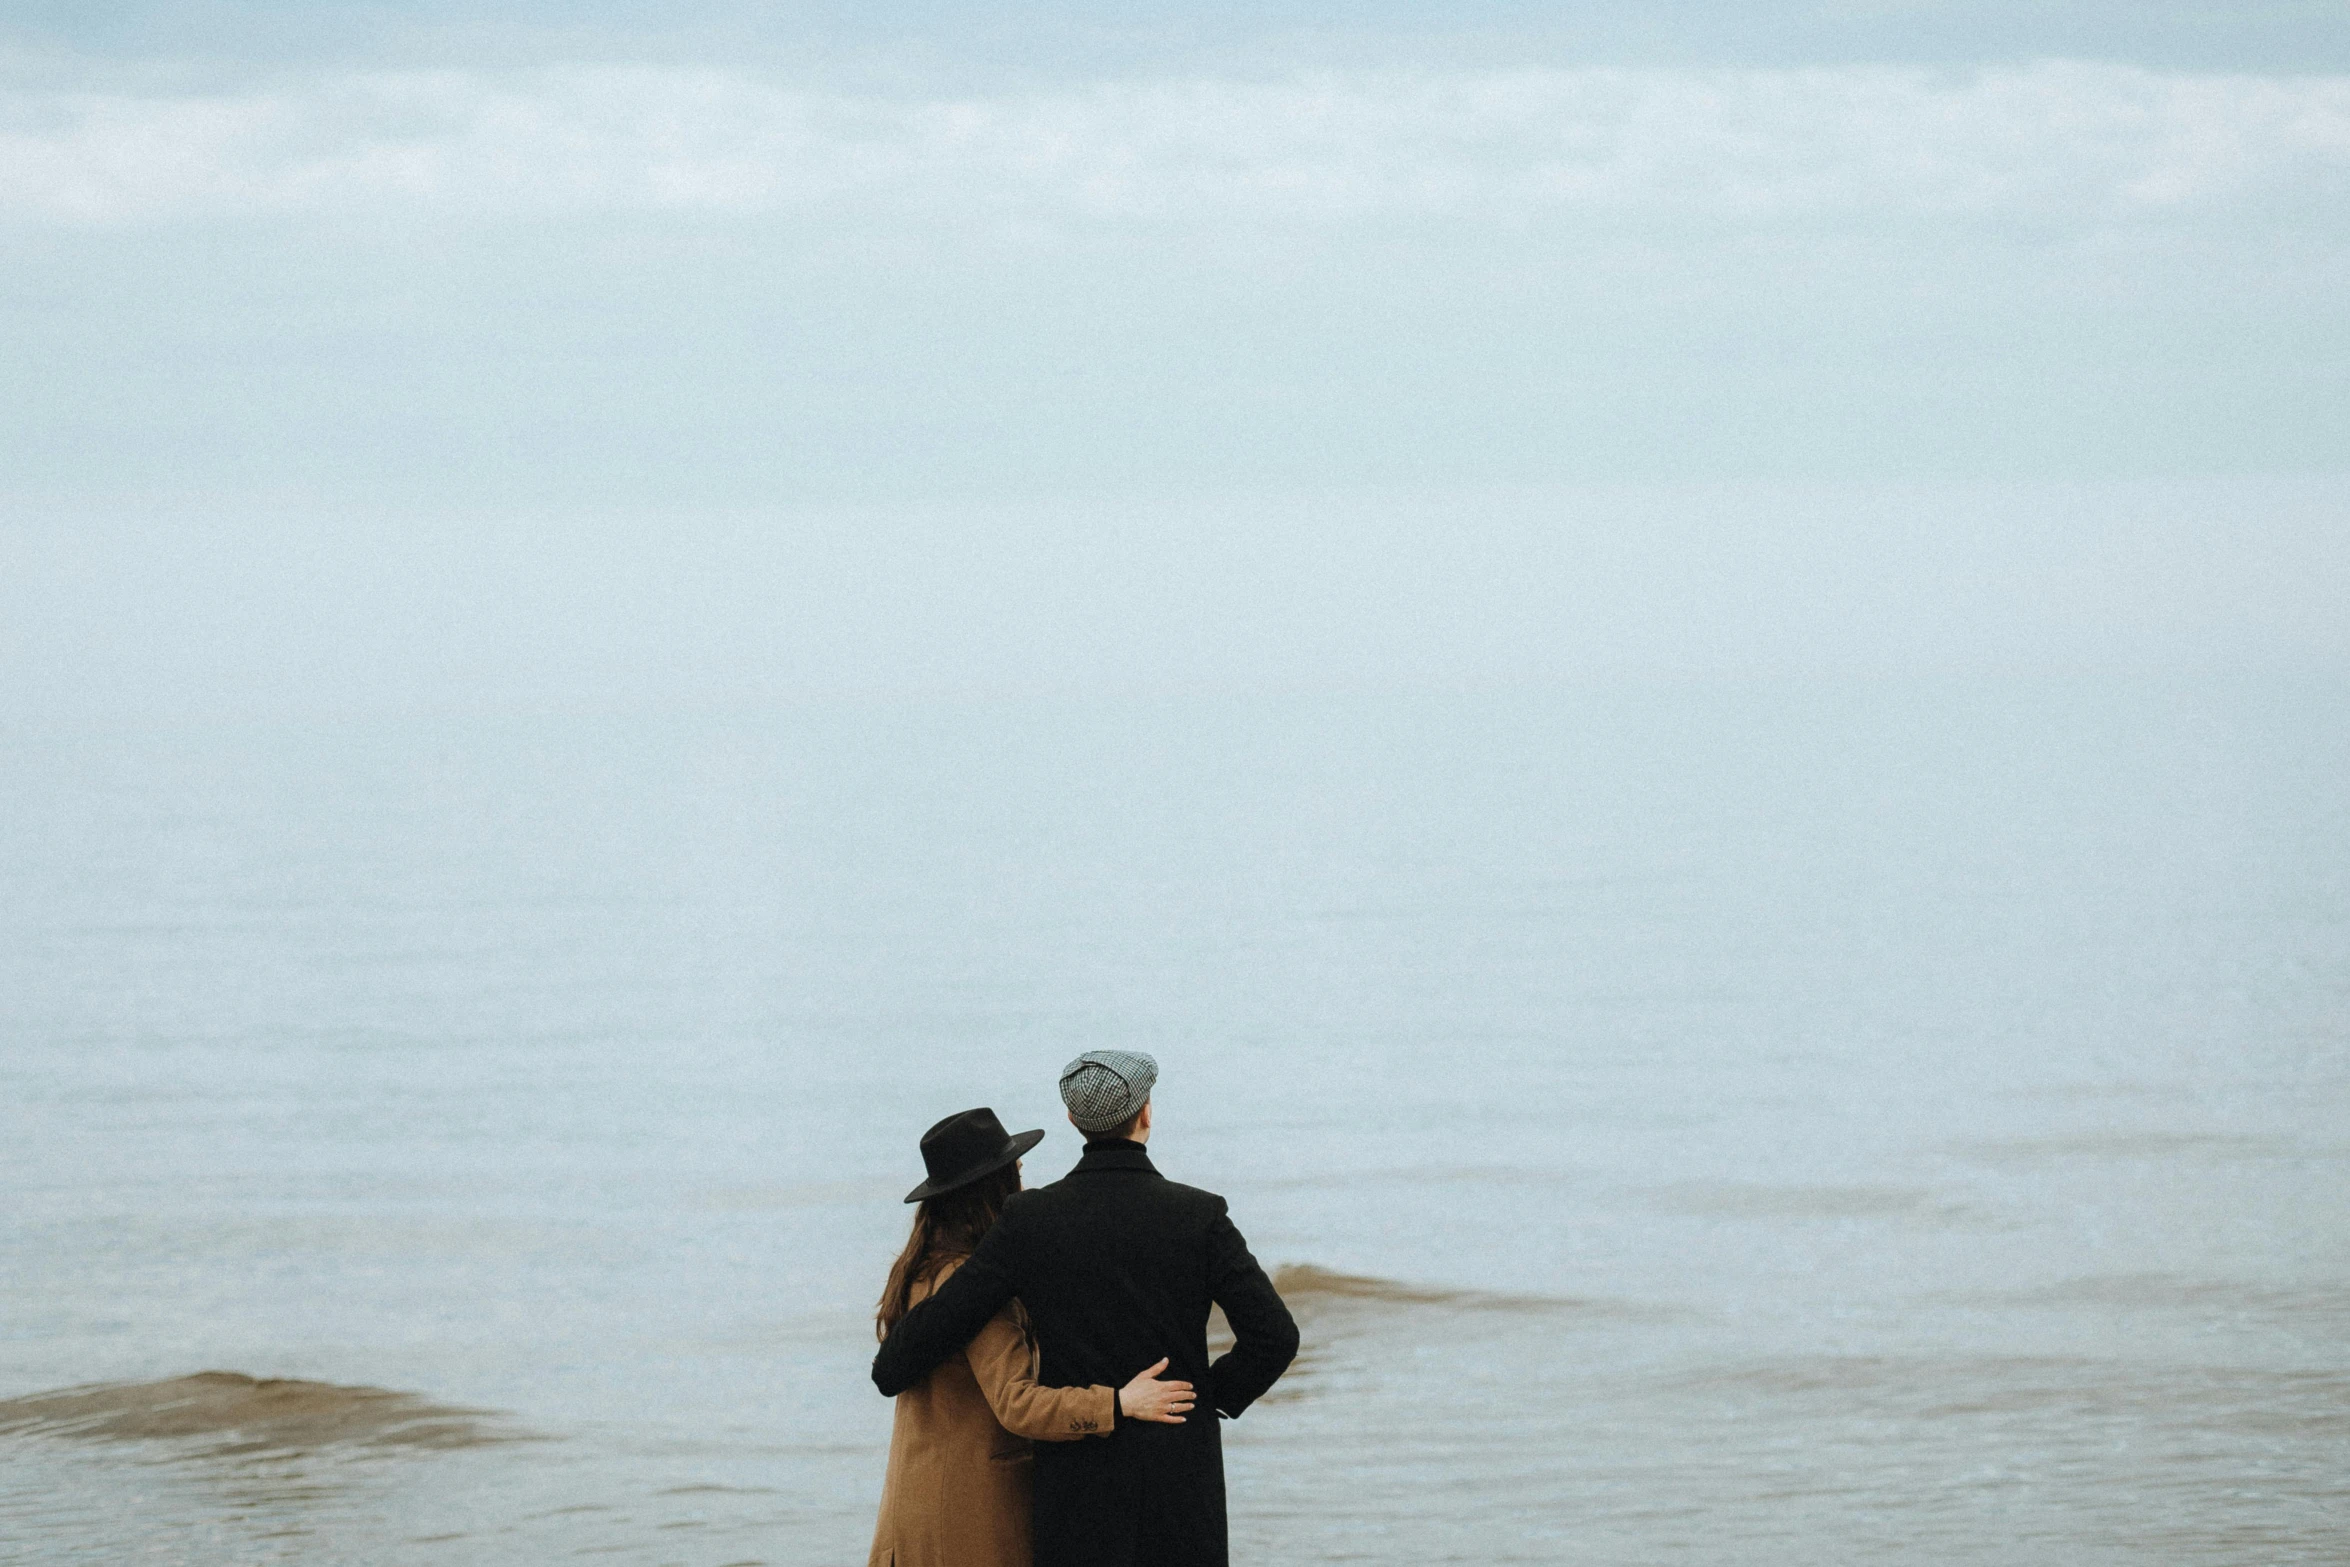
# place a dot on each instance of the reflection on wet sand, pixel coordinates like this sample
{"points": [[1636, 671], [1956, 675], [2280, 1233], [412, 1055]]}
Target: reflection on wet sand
{"points": [[252, 1415]]}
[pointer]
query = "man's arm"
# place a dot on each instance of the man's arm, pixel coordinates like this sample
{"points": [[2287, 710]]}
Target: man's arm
{"points": [[1264, 1335], [937, 1329], [1005, 1368]]}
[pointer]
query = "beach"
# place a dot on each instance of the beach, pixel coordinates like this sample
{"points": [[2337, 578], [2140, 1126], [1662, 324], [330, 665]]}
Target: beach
{"points": [[1782, 1121]]}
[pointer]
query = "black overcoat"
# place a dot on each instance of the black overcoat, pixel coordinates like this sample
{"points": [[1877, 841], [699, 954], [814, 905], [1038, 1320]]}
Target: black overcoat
{"points": [[1117, 1266]]}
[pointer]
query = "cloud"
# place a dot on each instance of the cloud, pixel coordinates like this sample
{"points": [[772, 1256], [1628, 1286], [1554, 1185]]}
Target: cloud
{"points": [[2070, 143], [482, 285]]}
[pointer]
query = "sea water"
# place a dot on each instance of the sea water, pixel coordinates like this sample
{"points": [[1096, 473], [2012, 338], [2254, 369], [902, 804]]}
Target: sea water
{"points": [[1739, 1123]]}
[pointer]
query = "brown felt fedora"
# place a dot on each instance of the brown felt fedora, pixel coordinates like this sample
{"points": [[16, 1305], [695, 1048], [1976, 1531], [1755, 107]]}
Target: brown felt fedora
{"points": [[966, 1146]]}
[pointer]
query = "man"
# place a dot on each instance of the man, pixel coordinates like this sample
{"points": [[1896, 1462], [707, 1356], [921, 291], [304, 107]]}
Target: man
{"points": [[1117, 1266]]}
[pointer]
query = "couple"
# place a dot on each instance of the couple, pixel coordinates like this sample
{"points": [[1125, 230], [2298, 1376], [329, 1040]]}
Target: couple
{"points": [[1051, 1315]]}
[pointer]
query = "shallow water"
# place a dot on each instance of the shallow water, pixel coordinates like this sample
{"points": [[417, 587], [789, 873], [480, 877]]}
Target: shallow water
{"points": [[1711, 1125]]}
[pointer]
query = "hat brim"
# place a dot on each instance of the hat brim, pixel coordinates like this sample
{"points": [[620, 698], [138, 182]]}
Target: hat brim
{"points": [[994, 1162]]}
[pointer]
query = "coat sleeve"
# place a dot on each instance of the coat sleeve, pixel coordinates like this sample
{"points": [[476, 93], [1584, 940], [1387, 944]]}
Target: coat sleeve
{"points": [[1001, 1361], [928, 1335], [1264, 1335]]}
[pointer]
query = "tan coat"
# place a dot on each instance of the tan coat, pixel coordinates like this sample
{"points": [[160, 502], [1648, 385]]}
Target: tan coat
{"points": [[957, 1494]]}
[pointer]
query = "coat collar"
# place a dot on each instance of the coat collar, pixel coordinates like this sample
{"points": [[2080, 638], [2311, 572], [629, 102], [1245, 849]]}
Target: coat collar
{"points": [[1114, 1156]]}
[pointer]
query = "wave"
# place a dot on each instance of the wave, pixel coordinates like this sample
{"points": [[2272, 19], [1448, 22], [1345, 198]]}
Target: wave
{"points": [[2077, 1392], [2217, 1300], [1336, 1310], [1305, 1286], [2147, 1146], [253, 1414], [1326, 1301], [1747, 1200]]}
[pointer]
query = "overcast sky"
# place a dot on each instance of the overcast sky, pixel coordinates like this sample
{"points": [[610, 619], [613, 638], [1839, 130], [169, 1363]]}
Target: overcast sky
{"points": [[739, 274]]}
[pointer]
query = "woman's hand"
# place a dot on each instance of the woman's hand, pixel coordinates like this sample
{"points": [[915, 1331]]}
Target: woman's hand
{"points": [[1147, 1398]]}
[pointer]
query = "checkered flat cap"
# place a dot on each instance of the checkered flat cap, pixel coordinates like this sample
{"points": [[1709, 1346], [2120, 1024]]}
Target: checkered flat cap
{"points": [[1103, 1088]]}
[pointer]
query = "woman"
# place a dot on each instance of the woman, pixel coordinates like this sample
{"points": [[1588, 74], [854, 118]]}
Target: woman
{"points": [[957, 1494]]}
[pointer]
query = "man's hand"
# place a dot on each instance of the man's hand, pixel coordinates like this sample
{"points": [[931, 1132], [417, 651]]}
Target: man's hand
{"points": [[1147, 1398]]}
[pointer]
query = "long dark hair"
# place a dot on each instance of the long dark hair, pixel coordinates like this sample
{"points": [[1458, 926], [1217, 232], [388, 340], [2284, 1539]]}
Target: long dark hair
{"points": [[946, 1227]]}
